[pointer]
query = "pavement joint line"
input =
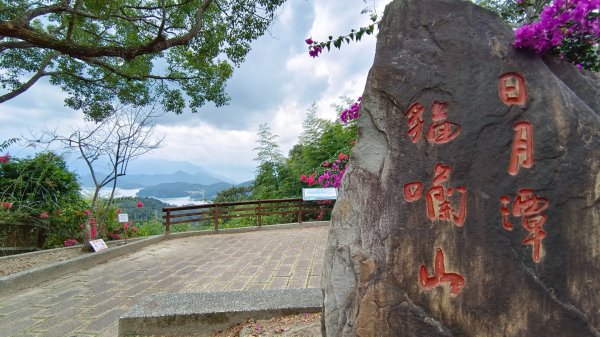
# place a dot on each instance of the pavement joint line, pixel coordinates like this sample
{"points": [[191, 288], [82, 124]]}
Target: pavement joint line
{"points": [[41, 276]]}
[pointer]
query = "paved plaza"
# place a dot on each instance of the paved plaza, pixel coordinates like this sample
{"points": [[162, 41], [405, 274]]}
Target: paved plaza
{"points": [[89, 303]]}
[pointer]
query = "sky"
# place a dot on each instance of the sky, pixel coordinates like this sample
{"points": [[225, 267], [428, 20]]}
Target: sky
{"points": [[276, 85]]}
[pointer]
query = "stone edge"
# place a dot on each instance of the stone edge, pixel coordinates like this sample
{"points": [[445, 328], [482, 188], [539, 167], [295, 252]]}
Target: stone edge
{"points": [[32, 277], [201, 314]]}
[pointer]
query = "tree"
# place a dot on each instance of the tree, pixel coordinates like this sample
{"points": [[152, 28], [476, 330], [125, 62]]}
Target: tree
{"points": [[136, 52], [234, 193], [267, 147], [122, 136]]}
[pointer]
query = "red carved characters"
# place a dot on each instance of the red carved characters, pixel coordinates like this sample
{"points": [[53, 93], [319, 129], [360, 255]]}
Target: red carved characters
{"points": [[511, 88], [522, 148], [415, 121], [436, 198], [529, 206], [440, 276], [440, 131]]}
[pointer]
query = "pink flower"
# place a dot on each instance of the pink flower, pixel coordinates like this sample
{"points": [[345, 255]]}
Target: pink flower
{"points": [[309, 41], [44, 215], [139, 204], [87, 212], [125, 226], [342, 156], [70, 242], [5, 158], [7, 204], [303, 178], [314, 51], [326, 164], [134, 228]]}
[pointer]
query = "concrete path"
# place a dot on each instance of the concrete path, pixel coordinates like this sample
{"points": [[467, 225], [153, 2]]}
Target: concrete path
{"points": [[89, 303]]}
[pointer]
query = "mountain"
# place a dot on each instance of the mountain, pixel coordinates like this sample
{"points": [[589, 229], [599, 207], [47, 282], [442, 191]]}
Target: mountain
{"points": [[179, 189], [147, 172]]}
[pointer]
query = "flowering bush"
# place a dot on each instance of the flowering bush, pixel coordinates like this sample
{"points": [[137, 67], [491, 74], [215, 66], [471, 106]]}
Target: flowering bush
{"points": [[352, 112], [331, 173], [5, 158], [567, 28]]}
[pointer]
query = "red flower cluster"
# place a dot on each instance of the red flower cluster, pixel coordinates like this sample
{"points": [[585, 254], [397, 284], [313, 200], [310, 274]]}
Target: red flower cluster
{"points": [[5, 158], [7, 204], [310, 180], [139, 204], [70, 242]]}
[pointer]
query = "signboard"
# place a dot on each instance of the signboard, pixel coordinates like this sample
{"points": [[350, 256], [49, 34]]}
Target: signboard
{"points": [[327, 193], [98, 245], [123, 218]]}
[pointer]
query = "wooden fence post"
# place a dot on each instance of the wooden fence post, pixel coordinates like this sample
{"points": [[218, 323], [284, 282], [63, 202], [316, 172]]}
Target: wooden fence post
{"points": [[300, 208], [216, 217], [168, 222], [259, 214]]}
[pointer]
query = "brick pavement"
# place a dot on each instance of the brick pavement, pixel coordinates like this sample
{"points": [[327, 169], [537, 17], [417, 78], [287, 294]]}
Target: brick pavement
{"points": [[89, 302]]}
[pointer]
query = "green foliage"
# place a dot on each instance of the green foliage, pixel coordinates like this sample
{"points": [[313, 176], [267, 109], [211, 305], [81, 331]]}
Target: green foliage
{"points": [[128, 205], [320, 141], [5, 144], [45, 205], [236, 193], [149, 228], [514, 13], [178, 54]]}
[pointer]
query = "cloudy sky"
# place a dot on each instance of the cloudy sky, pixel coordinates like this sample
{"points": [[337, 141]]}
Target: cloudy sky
{"points": [[276, 85]]}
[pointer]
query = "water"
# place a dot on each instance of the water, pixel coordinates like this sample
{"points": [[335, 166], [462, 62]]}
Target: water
{"points": [[122, 192]]}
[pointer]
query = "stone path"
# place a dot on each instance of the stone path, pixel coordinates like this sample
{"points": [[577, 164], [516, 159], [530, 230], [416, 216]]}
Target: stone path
{"points": [[89, 303]]}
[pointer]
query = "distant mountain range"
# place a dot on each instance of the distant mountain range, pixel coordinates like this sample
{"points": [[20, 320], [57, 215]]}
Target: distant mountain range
{"points": [[130, 181], [187, 180]]}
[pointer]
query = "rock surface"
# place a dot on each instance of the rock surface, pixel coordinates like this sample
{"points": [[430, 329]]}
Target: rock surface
{"points": [[471, 206]]}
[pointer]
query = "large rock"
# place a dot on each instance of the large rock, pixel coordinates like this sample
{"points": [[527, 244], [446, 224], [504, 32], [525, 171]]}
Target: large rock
{"points": [[471, 206]]}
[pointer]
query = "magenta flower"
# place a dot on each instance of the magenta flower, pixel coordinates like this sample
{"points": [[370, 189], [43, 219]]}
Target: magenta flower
{"points": [[139, 204], [309, 41], [314, 51], [44, 215]]}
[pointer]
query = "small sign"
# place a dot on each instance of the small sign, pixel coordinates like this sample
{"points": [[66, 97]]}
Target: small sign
{"points": [[327, 193], [98, 245], [123, 218]]}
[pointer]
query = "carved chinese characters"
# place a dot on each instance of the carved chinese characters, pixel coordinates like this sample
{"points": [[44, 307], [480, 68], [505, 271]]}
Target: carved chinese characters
{"points": [[527, 205], [442, 202], [437, 198], [440, 131], [440, 277], [511, 88], [522, 148]]}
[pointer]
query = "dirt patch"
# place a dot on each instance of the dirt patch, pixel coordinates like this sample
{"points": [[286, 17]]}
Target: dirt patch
{"points": [[303, 325], [16, 263]]}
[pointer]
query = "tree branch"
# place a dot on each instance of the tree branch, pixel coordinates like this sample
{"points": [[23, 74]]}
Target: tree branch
{"points": [[20, 29], [25, 86]]}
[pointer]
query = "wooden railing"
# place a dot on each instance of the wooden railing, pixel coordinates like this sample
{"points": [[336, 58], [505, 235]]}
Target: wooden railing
{"points": [[254, 208]]}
